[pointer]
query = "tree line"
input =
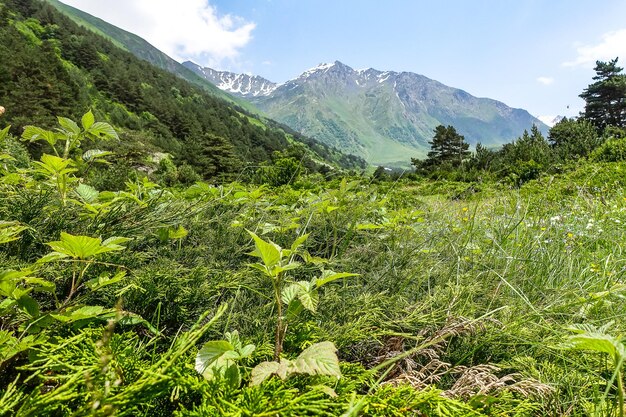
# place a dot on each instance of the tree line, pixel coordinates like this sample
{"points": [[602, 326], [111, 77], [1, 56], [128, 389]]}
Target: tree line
{"points": [[598, 134]]}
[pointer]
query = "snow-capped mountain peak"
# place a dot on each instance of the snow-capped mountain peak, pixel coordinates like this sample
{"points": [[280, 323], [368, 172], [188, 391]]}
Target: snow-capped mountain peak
{"points": [[240, 84], [550, 120]]}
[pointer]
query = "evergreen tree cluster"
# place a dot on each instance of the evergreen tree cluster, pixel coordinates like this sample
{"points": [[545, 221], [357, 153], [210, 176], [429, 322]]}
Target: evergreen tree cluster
{"points": [[599, 135]]}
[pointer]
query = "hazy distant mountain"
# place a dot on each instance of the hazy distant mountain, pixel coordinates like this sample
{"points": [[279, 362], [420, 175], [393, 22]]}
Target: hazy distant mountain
{"points": [[385, 116]]}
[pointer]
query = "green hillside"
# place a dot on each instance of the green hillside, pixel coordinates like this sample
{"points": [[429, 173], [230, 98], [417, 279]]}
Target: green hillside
{"points": [[386, 117], [142, 49], [51, 66]]}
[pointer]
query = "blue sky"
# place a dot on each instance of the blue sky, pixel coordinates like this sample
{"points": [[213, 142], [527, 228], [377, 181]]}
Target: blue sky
{"points": [[536, 55]]}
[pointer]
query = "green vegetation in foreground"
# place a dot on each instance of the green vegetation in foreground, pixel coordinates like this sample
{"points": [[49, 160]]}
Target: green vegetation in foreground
{"points": [[316, 298]]}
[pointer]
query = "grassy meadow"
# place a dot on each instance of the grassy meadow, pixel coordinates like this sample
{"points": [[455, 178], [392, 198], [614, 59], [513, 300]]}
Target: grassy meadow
{"points": [[424, 298]]}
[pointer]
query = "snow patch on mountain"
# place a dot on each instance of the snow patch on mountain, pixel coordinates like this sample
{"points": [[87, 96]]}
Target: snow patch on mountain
{"points": [[550, 120]]}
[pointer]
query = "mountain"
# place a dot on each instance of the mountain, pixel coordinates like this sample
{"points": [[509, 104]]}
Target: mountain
{"points": [[53, 67], [550, 120], [387, 117], [243, 85]]}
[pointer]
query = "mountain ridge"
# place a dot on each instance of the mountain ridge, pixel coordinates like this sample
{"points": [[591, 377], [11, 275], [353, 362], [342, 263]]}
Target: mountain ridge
{"points": [[382, 116]]}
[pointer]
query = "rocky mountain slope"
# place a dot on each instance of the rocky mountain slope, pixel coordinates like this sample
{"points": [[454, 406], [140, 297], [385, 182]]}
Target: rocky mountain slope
{"points": [[384, 116]]}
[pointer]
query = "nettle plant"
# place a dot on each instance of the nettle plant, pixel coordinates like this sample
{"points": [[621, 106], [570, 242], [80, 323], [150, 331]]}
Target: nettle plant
{"points": [[219, 359], [58, 169], [597, 339], [24, 313]]}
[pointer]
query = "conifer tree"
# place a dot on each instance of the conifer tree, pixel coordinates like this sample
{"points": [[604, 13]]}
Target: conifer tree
{"points": [[448, 146], [606, 97]]}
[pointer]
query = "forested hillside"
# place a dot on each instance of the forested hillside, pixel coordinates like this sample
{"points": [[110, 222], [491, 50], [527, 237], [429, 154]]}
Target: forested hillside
{"points": [[51, 66]]}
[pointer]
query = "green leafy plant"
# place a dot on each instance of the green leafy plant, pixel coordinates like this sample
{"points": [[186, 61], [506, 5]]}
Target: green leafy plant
{"points": [[9, 231], [317, 359], [58, 173], [219, 359], [70, 136], [295, 296], [83, 252], [597, 339]]}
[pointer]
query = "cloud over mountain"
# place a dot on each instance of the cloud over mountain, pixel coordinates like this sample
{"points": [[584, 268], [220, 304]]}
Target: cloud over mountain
{"points": [[190, 29]]}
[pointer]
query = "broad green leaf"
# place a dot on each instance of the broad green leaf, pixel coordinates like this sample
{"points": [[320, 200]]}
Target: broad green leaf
{"points": [[302, 291], [294, 308], [260, 267], [9, 231], [77, 247], [132, 319], [309, 299], [211, 352], [595, 339], [233, 339], [9, 278], [96, 155], [7, 304], [315, 260], [298, 242], [330, 276], [178, 233], [29, 305], [11, 346], [51, 257], [231, 375], [263, 371], [114, 243], [82, 247], [201, 189], [40, 284], [53, 165], [81, 313], [69, 125], [87, 120], [291, 292], [33, 133], [87, 193], [104, 280], [4, 133], [282, 268], [269, 252], [102, 130], [318, 359], [246, 351]]}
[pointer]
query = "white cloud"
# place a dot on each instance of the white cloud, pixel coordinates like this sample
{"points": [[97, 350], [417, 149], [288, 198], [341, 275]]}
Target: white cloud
{"points": [[613, 45], [183, 29], [545, 80]]}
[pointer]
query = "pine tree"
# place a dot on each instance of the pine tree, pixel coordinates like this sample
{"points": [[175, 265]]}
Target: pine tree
{"points": [[606, 98], [448, 146], [573, 139]]}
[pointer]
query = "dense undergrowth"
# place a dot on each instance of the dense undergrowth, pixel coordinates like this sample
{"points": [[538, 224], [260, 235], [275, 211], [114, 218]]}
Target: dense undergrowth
{"points": [[466, 299]]}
